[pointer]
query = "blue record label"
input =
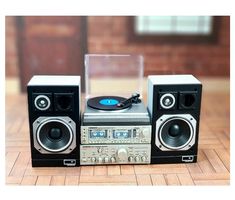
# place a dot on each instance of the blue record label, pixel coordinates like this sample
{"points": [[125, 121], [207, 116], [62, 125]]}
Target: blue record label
{"points": [[109, 102]]}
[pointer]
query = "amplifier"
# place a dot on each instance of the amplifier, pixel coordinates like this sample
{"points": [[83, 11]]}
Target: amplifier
{"points": [[115, 154]]}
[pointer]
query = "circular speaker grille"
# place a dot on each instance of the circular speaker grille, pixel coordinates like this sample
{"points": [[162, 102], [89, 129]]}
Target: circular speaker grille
{"points": [[167, 101], [42, 102], [54, 135], [175, 133]]}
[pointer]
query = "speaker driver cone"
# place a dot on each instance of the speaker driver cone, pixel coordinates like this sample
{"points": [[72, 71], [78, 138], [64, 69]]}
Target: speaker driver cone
{"points": [[175, 133], [54, 135]]}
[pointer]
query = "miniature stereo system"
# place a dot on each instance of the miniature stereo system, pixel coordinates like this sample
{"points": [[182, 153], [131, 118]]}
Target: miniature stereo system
{"points": [[113, 129]]}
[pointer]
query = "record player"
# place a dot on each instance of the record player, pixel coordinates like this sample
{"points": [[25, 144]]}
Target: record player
{"points": [[116, 126], [108, 110]]}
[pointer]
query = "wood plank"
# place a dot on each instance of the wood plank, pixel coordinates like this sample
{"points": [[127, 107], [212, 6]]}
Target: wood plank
{"points": [[114, 170], [211, 176], [185, 179], [18, 143], [212, 182], [158, 179], [17, 149], [143, 179], [204, 164], [160, 169], [43, 180], [129, 179], [51, 171], [100, 170], [223, 138], [13, 180], [108, 184], [211, 146], [194, 168], [25, 127], [87, 170], [72, 180], [15, 127], [11, 158], [172, 179], [127, 169], [20, 164], [224, 157], [57, 180], [215, 161], [29, 180], [206, 141]]}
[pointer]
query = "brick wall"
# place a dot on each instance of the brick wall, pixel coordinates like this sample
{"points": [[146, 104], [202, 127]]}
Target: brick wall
{"points": [[110, 35], [11, 48]]}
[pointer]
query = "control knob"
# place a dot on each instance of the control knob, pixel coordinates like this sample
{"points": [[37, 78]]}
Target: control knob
{"points": [[145, 133], [100, 160], [112, 159], [137, 158], [106, 159], [143, 158], [122, 154], [131, 159]]}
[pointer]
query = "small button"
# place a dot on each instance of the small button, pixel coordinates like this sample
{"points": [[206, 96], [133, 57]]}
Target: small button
{"points": [[93, 159]]}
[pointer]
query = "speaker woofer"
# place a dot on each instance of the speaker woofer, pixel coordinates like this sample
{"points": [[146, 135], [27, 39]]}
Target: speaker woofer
{"points": [[54, 135], [175, 132]]}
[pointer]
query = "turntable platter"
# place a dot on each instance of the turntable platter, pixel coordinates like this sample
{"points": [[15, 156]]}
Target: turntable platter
{"points": [[107, 103]]}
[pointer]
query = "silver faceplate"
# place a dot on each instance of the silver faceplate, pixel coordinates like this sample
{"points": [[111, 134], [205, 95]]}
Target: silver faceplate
{"points": [[137, 113], [115, 154], [135, 134]]}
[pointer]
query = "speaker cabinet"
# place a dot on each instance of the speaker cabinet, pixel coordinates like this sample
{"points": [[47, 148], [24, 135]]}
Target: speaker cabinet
{"points": [[174, 103], [54, 120]]}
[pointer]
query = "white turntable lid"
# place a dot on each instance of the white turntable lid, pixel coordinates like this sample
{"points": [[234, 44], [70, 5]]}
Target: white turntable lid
{"points": [[113, 75]]}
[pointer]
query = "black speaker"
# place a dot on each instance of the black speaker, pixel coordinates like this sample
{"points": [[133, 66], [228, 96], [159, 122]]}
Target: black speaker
{"points": [[54, 120], [174, 103]]}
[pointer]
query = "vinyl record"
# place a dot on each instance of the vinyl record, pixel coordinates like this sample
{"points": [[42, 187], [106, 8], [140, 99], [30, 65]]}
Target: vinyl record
{"points": [[108, 103]]}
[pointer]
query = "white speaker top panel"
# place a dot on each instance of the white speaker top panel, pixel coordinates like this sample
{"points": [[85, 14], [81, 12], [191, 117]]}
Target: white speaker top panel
{"points": [[54, 80], [173, 79]]}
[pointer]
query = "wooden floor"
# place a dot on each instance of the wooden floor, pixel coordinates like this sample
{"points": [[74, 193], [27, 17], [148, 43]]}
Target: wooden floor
{"points": [[212, 168]]}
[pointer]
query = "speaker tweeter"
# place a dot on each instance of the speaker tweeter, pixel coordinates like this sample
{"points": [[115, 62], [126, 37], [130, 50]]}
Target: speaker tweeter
{"points": [[42, 101], [168, 100]]}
